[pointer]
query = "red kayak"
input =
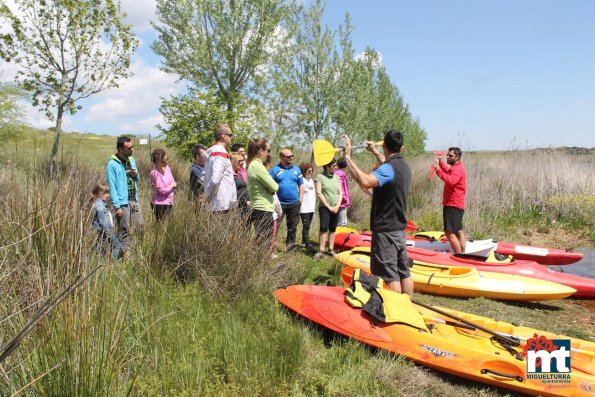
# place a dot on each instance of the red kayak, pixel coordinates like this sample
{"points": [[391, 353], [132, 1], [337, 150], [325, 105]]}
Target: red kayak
{"points": [[545, 256], [350, 240], [585, 287]]}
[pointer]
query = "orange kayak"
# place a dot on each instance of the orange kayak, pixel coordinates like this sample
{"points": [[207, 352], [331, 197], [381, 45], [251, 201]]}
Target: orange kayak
{"points": [[454, 348]]}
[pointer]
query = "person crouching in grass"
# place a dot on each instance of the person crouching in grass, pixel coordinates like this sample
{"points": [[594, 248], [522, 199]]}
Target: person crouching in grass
{"points": [[103, 224]]}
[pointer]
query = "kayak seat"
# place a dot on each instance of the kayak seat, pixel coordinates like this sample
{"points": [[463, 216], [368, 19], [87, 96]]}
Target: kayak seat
{"points": [[472, 256], [493, 257]]}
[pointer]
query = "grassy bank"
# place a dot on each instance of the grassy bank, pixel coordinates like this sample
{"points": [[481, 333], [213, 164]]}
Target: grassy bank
{"points": [[191, 311]]}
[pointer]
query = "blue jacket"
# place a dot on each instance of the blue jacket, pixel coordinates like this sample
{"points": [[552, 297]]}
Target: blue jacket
{"points": [[117, 180], [102, 221]]}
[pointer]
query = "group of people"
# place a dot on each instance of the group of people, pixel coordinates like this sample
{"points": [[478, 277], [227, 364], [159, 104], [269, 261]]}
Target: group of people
{"points": [[265, 195]]}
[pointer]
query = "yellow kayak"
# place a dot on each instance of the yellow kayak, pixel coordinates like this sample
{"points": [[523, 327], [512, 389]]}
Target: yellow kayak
{"points": [[464, 281]]}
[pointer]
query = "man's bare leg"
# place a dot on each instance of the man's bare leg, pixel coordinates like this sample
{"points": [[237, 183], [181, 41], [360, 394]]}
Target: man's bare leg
{"points": [[403, 286], [407, 286], [454, 242], [462, 239], [395, 286]]}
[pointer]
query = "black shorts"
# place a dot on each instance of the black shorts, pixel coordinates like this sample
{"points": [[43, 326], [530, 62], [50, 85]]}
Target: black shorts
{"points": [[453, 219], [328, 220], [389, 256]]}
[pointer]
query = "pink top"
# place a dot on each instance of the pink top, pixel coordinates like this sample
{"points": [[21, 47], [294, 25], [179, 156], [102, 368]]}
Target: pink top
{"points": [[163, 190], [346, 202], [243, 173]]}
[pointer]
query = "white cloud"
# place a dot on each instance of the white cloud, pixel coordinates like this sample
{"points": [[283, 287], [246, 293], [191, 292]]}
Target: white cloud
{"points": [[140, 13], [8, 71], [37, 119], [145, 125], [137, 96]]}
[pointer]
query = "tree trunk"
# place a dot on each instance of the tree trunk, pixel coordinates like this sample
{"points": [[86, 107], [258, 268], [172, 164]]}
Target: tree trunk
{"points": [[230, 109], [53, 162]]}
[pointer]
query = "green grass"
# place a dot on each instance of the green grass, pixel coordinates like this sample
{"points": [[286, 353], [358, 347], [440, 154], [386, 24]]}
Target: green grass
{"points": [[191, 312]]}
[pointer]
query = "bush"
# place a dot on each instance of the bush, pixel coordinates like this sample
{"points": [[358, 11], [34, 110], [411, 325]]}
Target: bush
{"points": [[216, 250]]}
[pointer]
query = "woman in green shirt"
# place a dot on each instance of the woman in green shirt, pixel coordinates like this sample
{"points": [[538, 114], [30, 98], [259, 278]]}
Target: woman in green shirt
{"points": [[328, 191], [261, 188]]}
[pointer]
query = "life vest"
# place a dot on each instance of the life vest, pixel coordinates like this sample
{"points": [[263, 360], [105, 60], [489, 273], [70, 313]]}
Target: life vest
{"points": [[368, 293]]}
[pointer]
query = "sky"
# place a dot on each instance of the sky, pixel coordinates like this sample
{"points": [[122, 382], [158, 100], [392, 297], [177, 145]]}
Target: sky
{"points": [[481, 75]]}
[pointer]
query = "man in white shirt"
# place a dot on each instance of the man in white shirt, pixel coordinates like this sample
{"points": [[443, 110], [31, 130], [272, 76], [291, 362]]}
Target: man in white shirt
{"points": [[220, 188]]}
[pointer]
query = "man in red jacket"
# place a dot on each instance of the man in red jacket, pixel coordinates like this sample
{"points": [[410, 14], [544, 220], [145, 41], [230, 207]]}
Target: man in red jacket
{"points": [[453, 198]]}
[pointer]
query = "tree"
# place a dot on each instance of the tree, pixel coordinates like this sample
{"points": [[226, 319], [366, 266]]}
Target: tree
{"points": [[314, 73], [67, 50], [10, 110], [11, 113], [221, 45], [190, 118], [371, 104]]}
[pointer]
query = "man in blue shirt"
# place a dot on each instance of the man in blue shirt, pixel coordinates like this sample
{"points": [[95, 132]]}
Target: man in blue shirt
{"points": [[290, 193], [390, 183], [119, 169]]}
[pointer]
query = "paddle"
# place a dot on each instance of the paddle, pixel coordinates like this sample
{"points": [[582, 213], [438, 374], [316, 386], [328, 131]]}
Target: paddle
{"points": [[324, 151], [506, 341], [574, 364]]}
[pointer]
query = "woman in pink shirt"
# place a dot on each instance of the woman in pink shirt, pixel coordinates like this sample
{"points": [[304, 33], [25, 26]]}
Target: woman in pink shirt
{"points": [[163, 184]]}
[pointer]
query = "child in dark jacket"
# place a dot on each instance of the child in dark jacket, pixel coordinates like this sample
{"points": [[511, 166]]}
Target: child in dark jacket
{"points": [[103, 223]]}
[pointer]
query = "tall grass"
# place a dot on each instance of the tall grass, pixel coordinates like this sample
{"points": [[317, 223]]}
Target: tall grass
{"points": [[507, 192], [45, 247], [182, 314]]}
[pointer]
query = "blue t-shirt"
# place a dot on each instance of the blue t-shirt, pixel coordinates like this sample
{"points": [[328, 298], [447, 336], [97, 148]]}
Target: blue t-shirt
{"points": [[385, 174], [289, 180]]}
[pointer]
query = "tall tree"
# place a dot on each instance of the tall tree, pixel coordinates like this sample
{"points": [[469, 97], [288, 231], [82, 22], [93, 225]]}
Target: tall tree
{"points": [[221, 45], [67, 50], [314, 72], [371, 104]]}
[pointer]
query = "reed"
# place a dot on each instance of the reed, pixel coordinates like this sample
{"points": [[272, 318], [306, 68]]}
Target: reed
{"points": [[507, 193]]}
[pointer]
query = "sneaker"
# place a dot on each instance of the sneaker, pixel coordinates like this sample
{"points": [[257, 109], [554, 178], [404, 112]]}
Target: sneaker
{"points": [[318, 255], [332, 253], [289, 247]]}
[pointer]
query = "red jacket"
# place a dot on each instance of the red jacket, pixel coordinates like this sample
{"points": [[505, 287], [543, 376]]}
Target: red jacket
{"points": [[455, 184]]}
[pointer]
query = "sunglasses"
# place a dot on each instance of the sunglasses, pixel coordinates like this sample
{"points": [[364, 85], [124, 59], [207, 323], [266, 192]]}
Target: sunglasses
{"points": [[229, 135], [268, 150], [288, 157]]}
